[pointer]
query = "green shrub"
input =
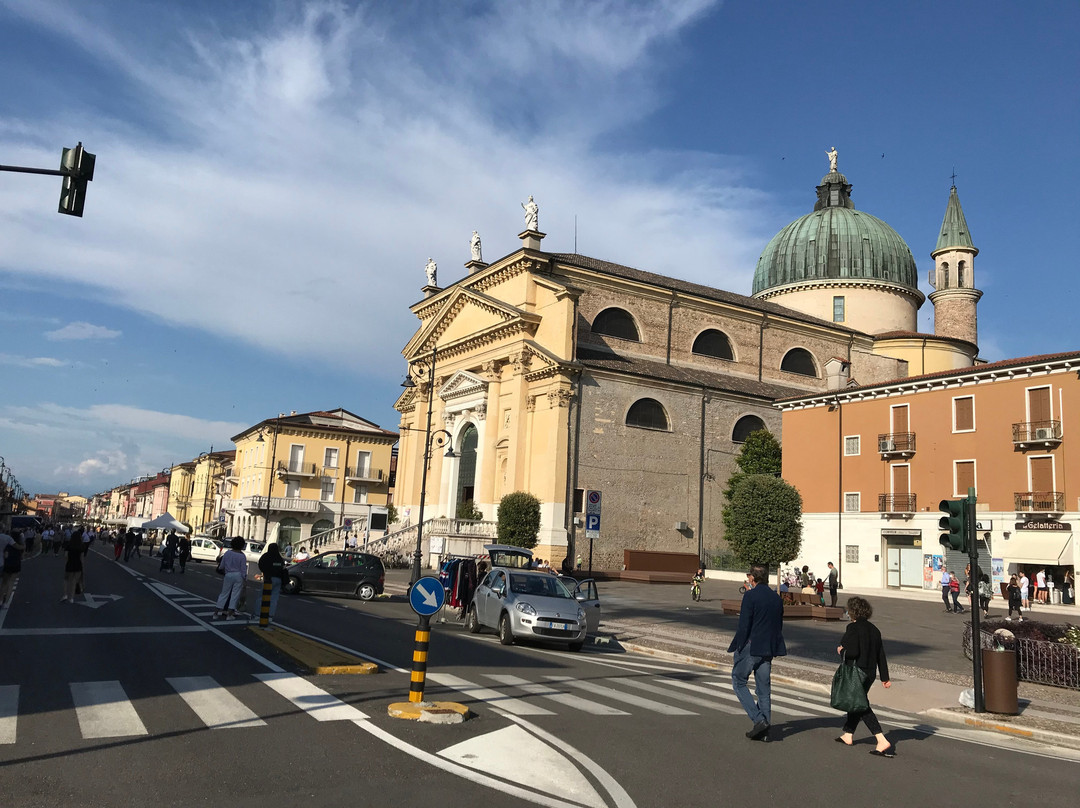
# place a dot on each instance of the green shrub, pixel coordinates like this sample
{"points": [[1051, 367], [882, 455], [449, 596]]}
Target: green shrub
{"points": [[519, 519], [468, 510]]}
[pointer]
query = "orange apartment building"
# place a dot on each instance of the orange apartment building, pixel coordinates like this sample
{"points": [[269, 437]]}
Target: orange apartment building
{"points": [[872, 463]]}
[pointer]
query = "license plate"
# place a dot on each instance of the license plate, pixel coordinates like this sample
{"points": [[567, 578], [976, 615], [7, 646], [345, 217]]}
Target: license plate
{"points": [[560, 626]]}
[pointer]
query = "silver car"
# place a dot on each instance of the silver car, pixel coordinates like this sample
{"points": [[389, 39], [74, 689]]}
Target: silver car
{"points": [[520, 604]]}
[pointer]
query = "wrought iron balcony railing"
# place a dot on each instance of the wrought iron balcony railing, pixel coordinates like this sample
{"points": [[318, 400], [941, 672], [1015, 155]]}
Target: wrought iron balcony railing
{"points": [[296, 469], [364, 474], [1039, 501], [896, 443], [896, 503], [1037, 432]]}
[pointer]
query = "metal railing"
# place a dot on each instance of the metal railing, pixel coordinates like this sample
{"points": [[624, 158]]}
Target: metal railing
{"points": [[366, 473], [258, 503], [896, 503], [1033, 431], [1039, 661], [1039, 501], [305, 469], [889, 442]]}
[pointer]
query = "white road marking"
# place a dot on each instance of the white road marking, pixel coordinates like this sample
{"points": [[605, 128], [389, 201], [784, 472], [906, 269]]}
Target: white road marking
{"points": [[708, 704], [494, 697], [723, 690], [9, 712], [52, 632], [104, 710], [567, 699], [313, 700], [618, 695], [215, 706]]}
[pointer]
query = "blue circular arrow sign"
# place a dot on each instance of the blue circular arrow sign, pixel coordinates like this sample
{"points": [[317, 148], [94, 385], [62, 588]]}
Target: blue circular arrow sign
{"points": [[427, 596]]}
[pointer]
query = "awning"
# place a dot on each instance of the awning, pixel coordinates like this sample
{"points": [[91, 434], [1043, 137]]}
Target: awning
{"points": [[1036, 547]]}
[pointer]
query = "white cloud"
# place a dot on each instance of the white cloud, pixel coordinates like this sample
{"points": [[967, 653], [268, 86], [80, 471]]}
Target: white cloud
{"points": [[32, 361], [81, 330], [105, 462], [313, 165]]}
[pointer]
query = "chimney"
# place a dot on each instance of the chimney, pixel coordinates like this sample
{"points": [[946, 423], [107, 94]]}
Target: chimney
{"points": [[837, 373]]}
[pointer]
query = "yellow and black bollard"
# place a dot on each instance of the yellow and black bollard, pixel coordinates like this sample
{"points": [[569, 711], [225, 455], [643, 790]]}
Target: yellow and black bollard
{"points": [[419, 665], [264, 611]]}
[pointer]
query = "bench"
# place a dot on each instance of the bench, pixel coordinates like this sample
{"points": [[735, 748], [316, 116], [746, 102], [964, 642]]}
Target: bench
{"points": [[731, 606], [827, 612], [798, 612]]}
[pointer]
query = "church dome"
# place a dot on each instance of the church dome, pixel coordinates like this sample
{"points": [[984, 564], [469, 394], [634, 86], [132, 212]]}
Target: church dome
{"points": [[837, 244]]}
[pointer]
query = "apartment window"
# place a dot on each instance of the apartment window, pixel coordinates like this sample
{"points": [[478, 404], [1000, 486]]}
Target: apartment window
{"points": [[330, 458], [852, 502], [851, 445], [963, 477], [964, 414], [292, 489], [838, 309], [327, 492], [851, 554], [363, 463], [360, 495]]}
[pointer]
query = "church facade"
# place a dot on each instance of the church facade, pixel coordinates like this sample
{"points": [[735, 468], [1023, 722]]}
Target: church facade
{"points": [[556, 373]]}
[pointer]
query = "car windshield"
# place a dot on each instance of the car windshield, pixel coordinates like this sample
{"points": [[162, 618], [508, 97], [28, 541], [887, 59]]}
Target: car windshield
{"points": [[547, 586]]}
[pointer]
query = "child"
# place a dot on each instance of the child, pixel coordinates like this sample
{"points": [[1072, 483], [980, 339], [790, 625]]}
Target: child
{"points": [[695, 583], [819, 587]]}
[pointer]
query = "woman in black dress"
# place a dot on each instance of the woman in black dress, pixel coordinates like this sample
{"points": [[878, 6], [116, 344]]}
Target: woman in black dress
{"points": [[862, 645]]}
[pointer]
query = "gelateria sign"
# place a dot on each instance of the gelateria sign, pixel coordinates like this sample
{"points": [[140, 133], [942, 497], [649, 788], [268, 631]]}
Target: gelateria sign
{"points": [[1043, 524]]}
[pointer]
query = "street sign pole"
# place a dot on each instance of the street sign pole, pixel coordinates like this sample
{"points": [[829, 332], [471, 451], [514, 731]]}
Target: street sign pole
{"points": [[593, 501], [973, 581], [426, 597]]}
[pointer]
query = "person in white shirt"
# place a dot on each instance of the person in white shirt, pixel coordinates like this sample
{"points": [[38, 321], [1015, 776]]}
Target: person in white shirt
{"points": [[234, 565], [1024, 584], [1040, 586]]}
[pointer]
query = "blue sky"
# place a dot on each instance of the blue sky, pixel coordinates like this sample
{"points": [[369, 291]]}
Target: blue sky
{"points": [[272, 177]]}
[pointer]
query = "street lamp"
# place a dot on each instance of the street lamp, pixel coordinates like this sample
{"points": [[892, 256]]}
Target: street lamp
{"points": [[432, 440], [270, 485]]}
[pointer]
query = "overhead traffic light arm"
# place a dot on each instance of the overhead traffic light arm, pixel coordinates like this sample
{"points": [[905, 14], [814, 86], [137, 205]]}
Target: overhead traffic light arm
{"points": [[77, 169]]}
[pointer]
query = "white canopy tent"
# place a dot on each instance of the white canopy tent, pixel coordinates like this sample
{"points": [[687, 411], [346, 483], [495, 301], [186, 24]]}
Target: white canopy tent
{"points": [[166, 522]]}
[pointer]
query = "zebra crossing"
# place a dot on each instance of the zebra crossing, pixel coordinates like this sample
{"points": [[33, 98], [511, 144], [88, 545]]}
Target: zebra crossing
{"points": [[104, 709], [197, 606]]}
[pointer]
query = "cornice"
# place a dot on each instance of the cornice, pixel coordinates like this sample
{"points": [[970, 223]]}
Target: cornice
{"points": [[842, 283]]}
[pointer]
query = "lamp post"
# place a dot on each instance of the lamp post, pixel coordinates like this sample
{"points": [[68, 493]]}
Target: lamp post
{"points": [[270, 485], [432, 440]]}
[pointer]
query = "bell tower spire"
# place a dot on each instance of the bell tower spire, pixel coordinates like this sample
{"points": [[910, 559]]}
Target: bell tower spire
{"points": [[953, 277]]}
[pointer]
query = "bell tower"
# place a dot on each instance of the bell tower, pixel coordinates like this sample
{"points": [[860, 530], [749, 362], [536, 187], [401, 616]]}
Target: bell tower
{"points": [[953, 277]]}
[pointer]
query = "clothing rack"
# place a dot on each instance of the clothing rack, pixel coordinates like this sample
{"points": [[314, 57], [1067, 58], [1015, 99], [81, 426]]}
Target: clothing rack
{"points": [[459, 577]]}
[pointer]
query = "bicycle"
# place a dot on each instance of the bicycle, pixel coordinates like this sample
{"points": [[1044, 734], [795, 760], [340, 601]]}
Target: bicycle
{"points": [[695, 586]]}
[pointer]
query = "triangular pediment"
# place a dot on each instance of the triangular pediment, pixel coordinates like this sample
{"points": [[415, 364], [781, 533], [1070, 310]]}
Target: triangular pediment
{"points": [[462, 383], [465, 315]]}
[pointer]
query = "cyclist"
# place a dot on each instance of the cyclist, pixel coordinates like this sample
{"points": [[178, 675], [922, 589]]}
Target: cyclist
{"points": [[695, 583]]}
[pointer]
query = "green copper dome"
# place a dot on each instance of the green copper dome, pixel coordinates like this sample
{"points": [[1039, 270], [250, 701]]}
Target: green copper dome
{"points": [[835, 242]]}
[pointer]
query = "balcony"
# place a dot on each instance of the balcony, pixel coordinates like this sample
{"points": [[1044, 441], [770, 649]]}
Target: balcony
{"points": [[1036, 433], [896, 444], [330, 471], [364, 475], [286, 504], [1051, 503], [295, 469], [896, 504]]}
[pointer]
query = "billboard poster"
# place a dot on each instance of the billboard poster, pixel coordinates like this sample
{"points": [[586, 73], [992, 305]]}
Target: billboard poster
{"points": [[997, 573], [928, 572]]}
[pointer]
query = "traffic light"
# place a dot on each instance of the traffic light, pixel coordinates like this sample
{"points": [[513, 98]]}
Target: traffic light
{"points": [[955, 523], [78, 166]]}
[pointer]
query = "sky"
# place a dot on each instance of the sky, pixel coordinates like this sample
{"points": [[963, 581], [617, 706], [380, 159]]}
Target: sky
{"points": [[272, 177]]}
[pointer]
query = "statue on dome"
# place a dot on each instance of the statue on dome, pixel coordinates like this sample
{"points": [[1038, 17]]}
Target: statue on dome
{"points": [[532, 214], [831, 154], [431, 269], [474, 246]]}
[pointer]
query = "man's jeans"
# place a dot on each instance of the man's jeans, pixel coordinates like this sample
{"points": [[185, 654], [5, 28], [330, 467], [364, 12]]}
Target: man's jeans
{"points": [[761, 666]]}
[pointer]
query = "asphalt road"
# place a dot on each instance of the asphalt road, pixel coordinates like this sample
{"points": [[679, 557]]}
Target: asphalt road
{"points": [[137, 700]]}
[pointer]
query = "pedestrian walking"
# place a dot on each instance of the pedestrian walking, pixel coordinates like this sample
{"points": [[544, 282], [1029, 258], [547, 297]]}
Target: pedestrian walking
{"points": [[169, 548], [118, 545], [183, 552], [759, 638], [862, 647], [272, 566], [954, 590], [73, 568], [946, 579], [46, 540], [833, 584], [986, 593], [234, 566], [1016, 599], [11, 550], [579, 561]]}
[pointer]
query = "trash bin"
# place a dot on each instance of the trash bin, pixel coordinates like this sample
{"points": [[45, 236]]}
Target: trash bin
{"points": [[999, 681], [1055, 596]]}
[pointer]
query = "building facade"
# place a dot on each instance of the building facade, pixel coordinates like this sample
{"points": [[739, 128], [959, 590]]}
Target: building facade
{"points": [[873, 462], [299, 475]]}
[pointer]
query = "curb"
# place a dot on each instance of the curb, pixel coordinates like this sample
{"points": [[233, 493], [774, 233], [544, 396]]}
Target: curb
{"points": [[318, 658], [429, 712]]}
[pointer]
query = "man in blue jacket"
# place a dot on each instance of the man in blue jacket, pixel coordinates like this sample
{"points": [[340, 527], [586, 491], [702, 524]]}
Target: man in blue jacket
{"points": [[759, 638]]}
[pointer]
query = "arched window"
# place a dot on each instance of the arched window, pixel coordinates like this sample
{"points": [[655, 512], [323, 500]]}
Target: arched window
{"points": [[616, 323], [713, 343], [744, 426], [288, 532], [799, 360], [944, 274], [960, 274], [647, 413], [321, 527]]}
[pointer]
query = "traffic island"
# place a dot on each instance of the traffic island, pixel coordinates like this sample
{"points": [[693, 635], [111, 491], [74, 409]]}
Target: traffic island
{"points": [[316, 657], [430, 712]]}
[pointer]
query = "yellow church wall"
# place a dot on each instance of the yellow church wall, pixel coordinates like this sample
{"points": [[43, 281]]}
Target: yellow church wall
{"points": [[927, 354]]}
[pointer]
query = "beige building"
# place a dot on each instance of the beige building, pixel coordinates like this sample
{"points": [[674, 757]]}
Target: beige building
{"points": [[555, 373], [301, 475]]}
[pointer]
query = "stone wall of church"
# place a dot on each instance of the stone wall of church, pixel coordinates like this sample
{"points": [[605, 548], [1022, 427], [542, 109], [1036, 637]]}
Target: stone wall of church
{"points": [[650, 478]]}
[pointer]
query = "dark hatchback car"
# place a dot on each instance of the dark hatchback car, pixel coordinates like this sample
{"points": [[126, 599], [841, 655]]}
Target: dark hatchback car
{"points": [[340, 572]]}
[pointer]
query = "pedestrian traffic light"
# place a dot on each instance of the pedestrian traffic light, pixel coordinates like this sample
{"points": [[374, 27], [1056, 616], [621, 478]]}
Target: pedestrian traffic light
{"points": [[78, 168], [955, 523]]}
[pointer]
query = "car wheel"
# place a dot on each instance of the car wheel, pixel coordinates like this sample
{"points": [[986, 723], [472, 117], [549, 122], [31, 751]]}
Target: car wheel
{"points": [[576, 646], [506, 633], [365, 592], [472, 622], [293, 585]]}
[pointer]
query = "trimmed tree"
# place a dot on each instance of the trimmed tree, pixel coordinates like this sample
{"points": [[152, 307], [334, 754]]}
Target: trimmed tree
{"points": [[519, 519], [760, 454], [763, 520]]}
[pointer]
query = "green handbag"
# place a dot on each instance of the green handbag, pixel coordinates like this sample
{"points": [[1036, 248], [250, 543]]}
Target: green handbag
{"points": [[848, 691]]}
